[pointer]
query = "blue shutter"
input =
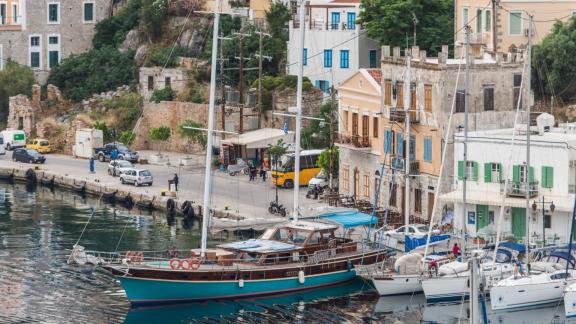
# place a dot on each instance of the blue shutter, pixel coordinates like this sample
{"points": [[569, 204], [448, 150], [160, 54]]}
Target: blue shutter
{"points": [[305, 59], [344, 59], [412, 148], [317, 84], [427, 149], [351, 20], [387, 141], [399, 145], [373, 62], [326, 86], [335, 20], [327, 58]]}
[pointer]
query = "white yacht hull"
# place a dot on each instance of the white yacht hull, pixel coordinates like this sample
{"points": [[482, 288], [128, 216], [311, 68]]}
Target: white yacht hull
{"points": [[448, 288], [570, 302], [517, 296], [398, 285]]}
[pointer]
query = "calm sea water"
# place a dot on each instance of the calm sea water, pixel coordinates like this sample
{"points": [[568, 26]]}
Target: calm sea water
{"points": [[39, 227]]}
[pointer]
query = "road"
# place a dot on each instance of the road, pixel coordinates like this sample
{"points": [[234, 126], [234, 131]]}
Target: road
{"points": [[249, 199]]}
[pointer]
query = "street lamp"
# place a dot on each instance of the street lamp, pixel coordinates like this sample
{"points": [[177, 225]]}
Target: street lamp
{"points": [[552, 207]]}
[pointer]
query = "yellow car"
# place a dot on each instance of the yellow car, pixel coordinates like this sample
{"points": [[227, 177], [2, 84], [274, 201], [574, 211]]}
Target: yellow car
{"points": [[41, 145]]}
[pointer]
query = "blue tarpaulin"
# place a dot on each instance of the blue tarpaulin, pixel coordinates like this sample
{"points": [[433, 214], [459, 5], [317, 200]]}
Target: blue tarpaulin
{"points": [[521, 248], [350, 218], [413, 243]]}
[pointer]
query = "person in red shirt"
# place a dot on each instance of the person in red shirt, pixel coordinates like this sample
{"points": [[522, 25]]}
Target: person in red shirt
{"points": [[455, 250]]}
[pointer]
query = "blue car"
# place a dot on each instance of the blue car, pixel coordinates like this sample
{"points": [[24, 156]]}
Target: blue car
{"points": [[27, 156]]}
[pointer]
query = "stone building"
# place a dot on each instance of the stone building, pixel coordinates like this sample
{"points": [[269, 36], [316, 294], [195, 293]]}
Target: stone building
{"points": [[157, 78], [40, 34], [493, 90], [21, 114]]}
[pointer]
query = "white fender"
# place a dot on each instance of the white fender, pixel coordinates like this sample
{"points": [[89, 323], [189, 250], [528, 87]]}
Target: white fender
{"points": [[301, 277], [241, 283]]}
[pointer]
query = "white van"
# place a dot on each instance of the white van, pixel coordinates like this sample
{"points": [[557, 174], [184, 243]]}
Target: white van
{"points": [[14, 139], [2, 149]]}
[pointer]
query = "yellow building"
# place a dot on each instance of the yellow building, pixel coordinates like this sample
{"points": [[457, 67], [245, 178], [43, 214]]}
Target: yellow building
{"points": [[508, 20]]}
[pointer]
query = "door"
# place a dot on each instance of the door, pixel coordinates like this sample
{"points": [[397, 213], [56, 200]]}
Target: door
{"points": [[430, 205], [481, 216], [351, 24], [356, 183], [519, 222], [335, 20]]}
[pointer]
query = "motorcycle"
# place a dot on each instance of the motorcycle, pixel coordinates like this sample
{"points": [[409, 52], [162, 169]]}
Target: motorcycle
{"points": [[314, 192], [276, 208]]}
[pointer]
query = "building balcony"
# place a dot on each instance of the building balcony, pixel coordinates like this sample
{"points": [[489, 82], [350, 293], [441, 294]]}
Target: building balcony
{"points": [[414, 167], [476, 38], [356, 141], [399, 115], [398, 164], [318, 24], [519, 189]]}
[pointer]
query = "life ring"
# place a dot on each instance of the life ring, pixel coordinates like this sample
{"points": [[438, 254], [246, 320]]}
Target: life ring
{"points": [[174, 263], [194, 263], [184, 264], [137, 257]]}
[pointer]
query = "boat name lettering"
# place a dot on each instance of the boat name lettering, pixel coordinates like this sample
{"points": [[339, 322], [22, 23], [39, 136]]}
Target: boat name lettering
{"points": [[319, 256]]}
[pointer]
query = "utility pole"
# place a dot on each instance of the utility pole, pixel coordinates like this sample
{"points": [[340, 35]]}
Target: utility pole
{"points": [[407, 104], [332, 108], [261, 57], [241, 85], [529, 112], [465, 158], [222, 89]]}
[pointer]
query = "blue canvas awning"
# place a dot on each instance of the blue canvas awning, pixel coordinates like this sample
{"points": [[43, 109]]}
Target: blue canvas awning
{"points": [[350, 218], [413, 243], [521, 248]]}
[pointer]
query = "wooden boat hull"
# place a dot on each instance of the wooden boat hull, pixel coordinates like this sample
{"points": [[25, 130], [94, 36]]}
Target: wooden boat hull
{"points": [[147, 291]]}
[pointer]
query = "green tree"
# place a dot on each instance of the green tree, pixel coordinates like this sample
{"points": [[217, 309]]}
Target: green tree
{"points": [[554, 63], [328, 161], [318, 133], [277, 16], [106, 132], [14, 79], [166, 94], [193, 135], [275, 152], [99, 70], [160, 134], [165, 56], [391, 22], [127, 137], [153, 16], [112, 31]]}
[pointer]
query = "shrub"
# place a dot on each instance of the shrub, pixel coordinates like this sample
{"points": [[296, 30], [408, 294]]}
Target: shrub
{"points": [[165, 56], [113, 30], [99, 70], [153, 16], [107, 133], [193, 135], [160, 134], [166, 94], [127, 137], [14, 79]]}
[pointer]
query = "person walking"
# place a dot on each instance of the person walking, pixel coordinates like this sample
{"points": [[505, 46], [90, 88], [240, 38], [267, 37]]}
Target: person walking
{"points": [[263, 173], [455, 250], [175, 182], [252, 172]]}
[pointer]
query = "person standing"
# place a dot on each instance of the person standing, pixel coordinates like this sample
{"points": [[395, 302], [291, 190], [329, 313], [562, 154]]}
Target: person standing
{"points": [[92, 165], [263, 174], [175, 182], [455, 250], [252, 173]]}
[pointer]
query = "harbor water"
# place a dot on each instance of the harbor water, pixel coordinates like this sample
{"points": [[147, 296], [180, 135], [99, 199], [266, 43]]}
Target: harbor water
{"points": [[39, 226]]}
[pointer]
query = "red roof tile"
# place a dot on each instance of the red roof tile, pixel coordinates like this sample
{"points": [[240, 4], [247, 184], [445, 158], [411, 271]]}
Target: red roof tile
{"points": [[376, 74]]}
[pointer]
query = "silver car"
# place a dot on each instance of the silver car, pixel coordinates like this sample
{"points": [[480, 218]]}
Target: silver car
{"points": [[119, 166], [137, 177]]}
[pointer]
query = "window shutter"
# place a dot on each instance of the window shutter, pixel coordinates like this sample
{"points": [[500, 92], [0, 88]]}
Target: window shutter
{"points": [[460, 170], [500, 171], [550, 175], [516, 173], [487, 172], [531, 175], [388, 141], [399, 145], [474, 170]]}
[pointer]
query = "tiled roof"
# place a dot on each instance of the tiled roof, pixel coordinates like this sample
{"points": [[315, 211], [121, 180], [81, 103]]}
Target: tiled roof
{"points": [[376, 74]]}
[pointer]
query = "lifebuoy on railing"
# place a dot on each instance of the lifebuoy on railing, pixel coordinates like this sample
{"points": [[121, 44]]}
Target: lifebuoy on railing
{"points": [[134, 257], [184, 264], [175, 263], [194, 263]]}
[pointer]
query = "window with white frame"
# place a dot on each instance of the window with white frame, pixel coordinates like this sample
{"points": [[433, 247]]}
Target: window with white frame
{"points": [[488, 21], [53, 12], [53, 50], [88, 12], [15, 13], [35, 50], [465, 16], [3, 14], [515, 23]]}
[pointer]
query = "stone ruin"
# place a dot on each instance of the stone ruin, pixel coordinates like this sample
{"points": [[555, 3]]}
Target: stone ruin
{"points": [[21, 114]]}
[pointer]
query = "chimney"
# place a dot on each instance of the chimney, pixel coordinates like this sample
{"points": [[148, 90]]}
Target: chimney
{"points": [[385, 51], [415, 51], [422, 56], [396, 52]]}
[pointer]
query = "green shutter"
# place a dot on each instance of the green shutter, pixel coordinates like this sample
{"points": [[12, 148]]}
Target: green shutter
{"points": [[460, 170], [88, 12], [487, 172], [516, 173], [550, 176], [531, 175], [500, 171], [547, 177], [474, 170]]}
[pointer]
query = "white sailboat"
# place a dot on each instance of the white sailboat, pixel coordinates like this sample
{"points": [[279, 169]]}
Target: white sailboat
{"points": [[570, 301]]}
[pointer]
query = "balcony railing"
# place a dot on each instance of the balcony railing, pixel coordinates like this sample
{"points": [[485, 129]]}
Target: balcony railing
{"points": [[318, 24], [398, 164], [414, 167], [354, 140], [519, 189], [397, 115]]}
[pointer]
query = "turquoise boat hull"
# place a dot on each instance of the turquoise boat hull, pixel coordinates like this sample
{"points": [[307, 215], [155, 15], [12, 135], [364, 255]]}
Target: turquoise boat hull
{"points": [[149, 291]]}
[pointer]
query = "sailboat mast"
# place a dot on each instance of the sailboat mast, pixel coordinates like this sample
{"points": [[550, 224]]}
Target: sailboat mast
{"points": [[299, 113], [465, 158], [528, 110], [407, 104], [210, 139]]}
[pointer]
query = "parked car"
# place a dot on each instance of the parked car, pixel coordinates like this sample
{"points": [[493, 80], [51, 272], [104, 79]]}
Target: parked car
{"points": [[240, 166], [119, 166], [14, 139], [321, 180], [412, 230], [124, 153], [39, 144], [27, 156], [137, 177]]}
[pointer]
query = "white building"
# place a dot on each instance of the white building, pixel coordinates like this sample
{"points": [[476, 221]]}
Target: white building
{"points": [[491, 160], [335, 46]]}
